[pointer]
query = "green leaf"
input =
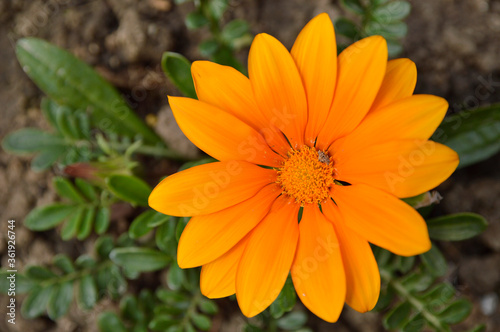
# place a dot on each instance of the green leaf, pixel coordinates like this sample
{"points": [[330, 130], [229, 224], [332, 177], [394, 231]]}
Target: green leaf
{"points": [[181, 224], [394, 47], [87, 296], [392, 11], [435, 261], [72, 225], [195, 20], [86, 189], [158, 219], [130, 309], [60, 300], [86, 225], [49, 110], [235, 29], [129, 188], [354, 5], [22, 283], [208, 47], [388, 31], [140, 225], [417, 282], [65, 189], [292, 321], [165, 237], [208, 306], [35, 303], [39, 273], [104, 245], [64, 263], [442, 293], [456, 312], [397, 316], [85, 262], [347, 28], [66, 124], [201, 321], [102, 220], [415, 324], [285, 301], [110, 322], [139, 259], [178, 70], [71, 82], [474, 134], [175, 276], [47, 158], [456, 227], [225, 56], [29, 140], [162, 322], [217, 8], [48, 216]]}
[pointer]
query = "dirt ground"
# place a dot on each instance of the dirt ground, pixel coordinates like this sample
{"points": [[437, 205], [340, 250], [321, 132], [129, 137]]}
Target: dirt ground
{"points": [[455, 44]]}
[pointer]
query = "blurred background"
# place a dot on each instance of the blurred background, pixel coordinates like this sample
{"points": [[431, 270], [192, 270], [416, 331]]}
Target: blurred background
{"points": [[454, 43]]}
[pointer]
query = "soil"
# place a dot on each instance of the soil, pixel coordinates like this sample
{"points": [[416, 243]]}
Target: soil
{"points": [[454, 43]]}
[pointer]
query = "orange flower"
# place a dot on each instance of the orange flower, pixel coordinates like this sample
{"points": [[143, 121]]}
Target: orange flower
{"points": [[343, 138]]}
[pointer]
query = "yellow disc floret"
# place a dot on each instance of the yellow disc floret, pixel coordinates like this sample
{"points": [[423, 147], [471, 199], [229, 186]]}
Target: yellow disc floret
{"points": [[306, 175]]}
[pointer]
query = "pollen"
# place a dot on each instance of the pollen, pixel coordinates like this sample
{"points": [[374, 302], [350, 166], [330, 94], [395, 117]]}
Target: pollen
{"points": [[306, 175]]}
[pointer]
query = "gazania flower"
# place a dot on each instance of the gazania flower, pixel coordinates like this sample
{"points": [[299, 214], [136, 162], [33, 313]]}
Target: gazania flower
{"points": [[340, 138]]}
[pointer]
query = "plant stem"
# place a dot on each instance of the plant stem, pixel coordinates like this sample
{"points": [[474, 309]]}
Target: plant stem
{"points": [[157, 151], [415, 302]]}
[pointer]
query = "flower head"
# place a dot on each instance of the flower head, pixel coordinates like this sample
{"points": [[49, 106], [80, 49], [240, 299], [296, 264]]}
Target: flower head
{"points": [[342, 138]]}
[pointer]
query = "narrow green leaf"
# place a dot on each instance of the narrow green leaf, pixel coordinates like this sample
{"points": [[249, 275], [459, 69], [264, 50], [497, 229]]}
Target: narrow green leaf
{"points": [[456, 227], [64, 263], [35, 303], [85, 262], [158, 219], [17, 282], [102, 220], [397, 316], [208, 47], [104, 245], [86, 225], [392, 11], [292, 321], [392, 30], [130, 309], [442, 293], [181, 224], [208, 307], [110, 322], [87, 296], [162, 322], [217, 8], [456, 312], [354, 5], [29, 140], [71, 82], [201, 321], [86, 189], [347, 28], [48, 216], [474, 134], [178, 70], [435, 261], [415, 324], [140, 225], [129, 188], [165, 237], [60, 300], [195, 20], [49, 111], [417, 282], [39, 273], [47, 158], [65, 189], [175, 276], [139, 259], [235, 29], [72, 225], [66, 124]]}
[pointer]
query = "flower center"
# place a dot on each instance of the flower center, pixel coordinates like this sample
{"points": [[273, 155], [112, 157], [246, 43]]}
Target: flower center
{"points": [[306, 175]]}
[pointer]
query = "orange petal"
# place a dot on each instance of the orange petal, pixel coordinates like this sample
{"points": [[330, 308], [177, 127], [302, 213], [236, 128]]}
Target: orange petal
{"points": [[361, 69], [209, 188], [403, 168], [218, 278], [209, 236], [220, 134], [361, 270], [278, 87], [315, 53], [399, 82], [414, 117], [382, 219], [317, 271], [267, 259]]}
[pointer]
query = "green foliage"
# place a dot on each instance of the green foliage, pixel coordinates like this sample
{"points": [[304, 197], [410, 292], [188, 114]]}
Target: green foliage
{"points": [[52, 289], [473, 134], [178, 70], [129, 188], [456, 227], [376, 17], [412, 295], [81, 211], [73, 83]]}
